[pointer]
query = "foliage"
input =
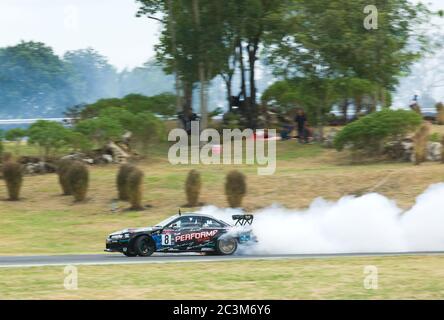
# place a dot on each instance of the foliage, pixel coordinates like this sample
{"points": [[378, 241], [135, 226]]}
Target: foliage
{"points": [[135, 188], [122, 181], [78, 177], [91, 76], [48, 135], [32, 78], [235, 188], [15, 134], [13, 175], [78, 141], [101, 130], [192, 188], [162, 105], [62, 172], [111, 122], [370, 132]]}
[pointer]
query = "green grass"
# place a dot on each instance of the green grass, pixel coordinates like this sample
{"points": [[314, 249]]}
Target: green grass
{"points": [[342, 278]]}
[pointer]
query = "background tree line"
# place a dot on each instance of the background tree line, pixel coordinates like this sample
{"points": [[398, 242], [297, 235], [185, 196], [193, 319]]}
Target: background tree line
{"points": [[35, 82], [320, 50]]}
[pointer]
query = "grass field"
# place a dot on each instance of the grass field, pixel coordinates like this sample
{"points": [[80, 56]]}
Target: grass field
{"points": [[342, 278], [46, 222]]}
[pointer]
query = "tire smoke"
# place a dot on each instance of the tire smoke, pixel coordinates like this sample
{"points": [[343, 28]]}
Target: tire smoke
{"points": [[370, 223]]}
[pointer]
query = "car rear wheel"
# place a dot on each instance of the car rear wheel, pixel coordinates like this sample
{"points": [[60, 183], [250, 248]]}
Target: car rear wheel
{"points": [[226, 246], [144, 246]]}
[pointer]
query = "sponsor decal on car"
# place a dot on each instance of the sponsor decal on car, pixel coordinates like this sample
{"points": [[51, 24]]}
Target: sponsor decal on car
{"points": [[204, 235]]}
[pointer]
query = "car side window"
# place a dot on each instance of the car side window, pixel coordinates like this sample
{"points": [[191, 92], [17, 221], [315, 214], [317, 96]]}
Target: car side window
{"points": [[211, 223], [189, 222]]}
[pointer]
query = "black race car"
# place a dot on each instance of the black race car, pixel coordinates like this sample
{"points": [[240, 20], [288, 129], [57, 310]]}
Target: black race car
{"points": [[189, 232]]}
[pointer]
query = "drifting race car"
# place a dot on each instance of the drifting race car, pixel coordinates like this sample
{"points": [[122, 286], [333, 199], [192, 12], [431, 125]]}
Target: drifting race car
{"points": [[189, 232]]}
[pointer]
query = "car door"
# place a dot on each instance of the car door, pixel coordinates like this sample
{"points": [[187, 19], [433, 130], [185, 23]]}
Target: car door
{"points": [[211, 230], [181, 233]]}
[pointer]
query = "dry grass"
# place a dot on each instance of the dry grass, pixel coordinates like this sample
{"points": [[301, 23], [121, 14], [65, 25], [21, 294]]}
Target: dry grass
{"points": [[341, 278]]}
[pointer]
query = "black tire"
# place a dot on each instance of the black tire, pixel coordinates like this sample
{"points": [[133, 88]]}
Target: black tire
{"points": [[144, 246], [226, 247]]}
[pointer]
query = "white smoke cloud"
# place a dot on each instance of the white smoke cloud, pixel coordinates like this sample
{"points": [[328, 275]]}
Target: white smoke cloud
{"points": [[370, 223]]}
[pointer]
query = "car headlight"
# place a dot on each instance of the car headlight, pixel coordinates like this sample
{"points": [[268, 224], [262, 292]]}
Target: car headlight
{"points": [[126, 236]]}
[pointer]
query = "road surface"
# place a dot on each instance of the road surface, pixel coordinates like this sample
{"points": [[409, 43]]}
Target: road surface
{"points": [[116, 259]]}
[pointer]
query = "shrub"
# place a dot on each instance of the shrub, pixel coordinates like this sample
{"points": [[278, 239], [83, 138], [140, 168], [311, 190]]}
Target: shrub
{"points": [[13, 175], [421, 138], [440, 113], [235, 188], [135, 188], [78, 177], [192, 188], [15, 135], [122, 180], [62, 171], [372, 131], [48, 135]]}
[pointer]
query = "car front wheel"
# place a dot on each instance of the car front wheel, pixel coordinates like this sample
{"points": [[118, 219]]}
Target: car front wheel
{"points": [[144, 246], [130, 254], [226, 247]]}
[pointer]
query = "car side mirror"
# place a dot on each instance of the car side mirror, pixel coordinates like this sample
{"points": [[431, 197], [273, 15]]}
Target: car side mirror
{"points": [[174, 226]]}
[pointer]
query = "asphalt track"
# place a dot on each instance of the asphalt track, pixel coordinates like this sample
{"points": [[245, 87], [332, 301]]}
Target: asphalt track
{"points": [[118, 259]]}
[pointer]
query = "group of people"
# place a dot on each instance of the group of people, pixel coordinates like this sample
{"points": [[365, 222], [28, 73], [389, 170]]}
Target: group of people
{"points": [[303, 131]]}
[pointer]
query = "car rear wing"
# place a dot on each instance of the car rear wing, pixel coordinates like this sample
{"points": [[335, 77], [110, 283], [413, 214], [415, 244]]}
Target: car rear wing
{"points": [[243, 220]]}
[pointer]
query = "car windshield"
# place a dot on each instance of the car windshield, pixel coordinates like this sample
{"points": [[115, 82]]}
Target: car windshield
{"points": [[166, 221]]}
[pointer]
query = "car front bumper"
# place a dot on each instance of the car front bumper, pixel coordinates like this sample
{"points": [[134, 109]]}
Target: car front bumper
{"points": [[117, 246]]}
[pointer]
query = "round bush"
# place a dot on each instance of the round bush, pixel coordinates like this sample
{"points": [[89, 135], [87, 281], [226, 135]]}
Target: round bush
{"points": [[13, 175], [371, 132], [192, 188], [235, 188]]}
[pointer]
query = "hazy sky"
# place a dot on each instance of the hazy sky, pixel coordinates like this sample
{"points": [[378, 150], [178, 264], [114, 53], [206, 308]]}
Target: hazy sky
{"points": [[109, 26]]}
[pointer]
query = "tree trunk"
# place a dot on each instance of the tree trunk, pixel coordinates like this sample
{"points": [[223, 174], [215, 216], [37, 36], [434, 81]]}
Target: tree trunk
{"points": [[358, 105], [202, 78], [252, 57], [172, 23], [344, 110], [188, 98], [242, 70], [228, 80]]}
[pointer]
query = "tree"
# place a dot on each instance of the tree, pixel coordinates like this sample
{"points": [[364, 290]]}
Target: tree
{"points": [[91, 75], [15, 135], [327, 40], [33, 78], [101, 130], [371, 132], [48, 135]]}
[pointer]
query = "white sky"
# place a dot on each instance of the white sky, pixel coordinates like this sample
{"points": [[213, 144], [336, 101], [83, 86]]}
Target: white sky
{"points": [[109, 26]]}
